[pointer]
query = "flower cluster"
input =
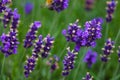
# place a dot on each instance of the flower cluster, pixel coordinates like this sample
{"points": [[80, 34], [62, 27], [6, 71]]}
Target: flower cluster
{"points": [[53, 63], [86, 37], [88, 77], [118, 51], [41, 47], [30, 36], [7, 16], [111, 5], [47, 45], [107, 50], [10, 41], [90, 58], [29, 67], [57, 5], [68, 62], [3, 5], [89, 4]]}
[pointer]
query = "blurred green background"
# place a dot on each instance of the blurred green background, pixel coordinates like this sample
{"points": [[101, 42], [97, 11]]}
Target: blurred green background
{"points": [[53, 23]]}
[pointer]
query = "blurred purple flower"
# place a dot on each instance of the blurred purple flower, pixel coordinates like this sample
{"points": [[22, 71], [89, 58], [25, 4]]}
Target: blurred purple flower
{"points": [[28, 7], [88, 77], [68, 62], [30, 36], [53, 63], [111, 5], [90, 58], [107, 50], [89, 4], [6, 1], [57, 5]]}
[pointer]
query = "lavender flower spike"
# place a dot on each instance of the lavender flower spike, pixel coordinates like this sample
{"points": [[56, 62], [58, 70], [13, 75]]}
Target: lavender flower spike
{"points": [[57, 5], [88, 77], [71, 34], [15, 20], [93, 29], [118, 51], [107, 50], [7, 17], [68, 62], [90, 58], [111, 5], [29, 67], [10, 43], [30, 36], [48, 44]]}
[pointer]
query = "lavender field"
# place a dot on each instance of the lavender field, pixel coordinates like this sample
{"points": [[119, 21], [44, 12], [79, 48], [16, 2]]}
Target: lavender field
{"points": [[59, 40]]}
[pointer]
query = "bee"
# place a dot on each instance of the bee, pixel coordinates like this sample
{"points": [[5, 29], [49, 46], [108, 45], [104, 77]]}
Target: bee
{"points": [[49, 3]]}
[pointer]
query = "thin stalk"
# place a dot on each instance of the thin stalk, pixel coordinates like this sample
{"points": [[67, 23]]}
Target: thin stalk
{"points": [[116, 71], [2, 68], [64, 49], [100, 71], [76, 72], [118, 66], [106, 32], [22, 56]]}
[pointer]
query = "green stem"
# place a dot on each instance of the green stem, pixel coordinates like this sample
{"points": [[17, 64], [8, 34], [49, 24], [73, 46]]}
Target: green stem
{"points": [[116, 71], [106, 32], [23, 56], [117, 36], [76, 72], [100, 71], [64, 49], [2, 66]]}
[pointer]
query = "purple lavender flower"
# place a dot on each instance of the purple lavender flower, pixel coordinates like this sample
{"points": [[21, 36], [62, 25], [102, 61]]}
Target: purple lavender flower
{"points": [[89, 4], [88, 77], [28, 7], [86, 37], [90, 58], [7, 17], [68, 62], [38, 46], [3, 5], [71, 32], [10, 43], [118, 51], [30, 36], [48, 44], [6, 1], [107, 50], [93, 29], [15, 19], [29, 67], [111, 5], [57, 5]]}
